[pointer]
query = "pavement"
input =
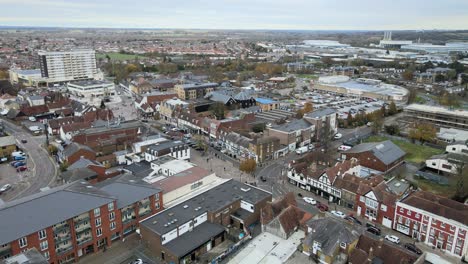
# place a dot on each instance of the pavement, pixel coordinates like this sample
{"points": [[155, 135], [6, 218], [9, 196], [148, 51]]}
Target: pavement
{"points": [[42, 169]]}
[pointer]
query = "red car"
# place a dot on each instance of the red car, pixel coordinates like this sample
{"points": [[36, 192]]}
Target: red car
{"points": [[23, 168], [322, 207]]}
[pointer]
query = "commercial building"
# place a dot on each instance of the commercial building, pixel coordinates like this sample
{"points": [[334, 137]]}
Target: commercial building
{"points": [[7, 146], [430, 48], [65, 66], [362, 87], [194, 90], [180, 234], [293, 134], [79, 218], [439, 116], [91, 88], [323, 119], [175, 149], [435, 221], [25, 77]]}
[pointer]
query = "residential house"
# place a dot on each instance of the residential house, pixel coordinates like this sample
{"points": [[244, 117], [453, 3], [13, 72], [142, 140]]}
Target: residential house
{"points": [[7, 146], [282, 217], [293, 134], [237, 146], [74, 151], [170, 107], [54, 125], [35, 100], [370, 250], [382, 156], [150, 104], [83, 219], [329, 240], [185, 231], [434, 220]]}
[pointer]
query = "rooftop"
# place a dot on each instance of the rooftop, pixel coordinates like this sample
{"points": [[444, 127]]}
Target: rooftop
{"points": [[362, 85], [385, 151], [436, 110], [294, 125], [211, 200], [265, 101], [7, 141], [90, 83]]}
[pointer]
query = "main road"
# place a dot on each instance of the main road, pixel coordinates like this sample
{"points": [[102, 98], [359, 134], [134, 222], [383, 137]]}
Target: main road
{"points": [[43, 170]]}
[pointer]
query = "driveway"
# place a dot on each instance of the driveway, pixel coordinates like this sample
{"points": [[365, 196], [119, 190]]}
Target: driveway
{"points": [[42, 169]]}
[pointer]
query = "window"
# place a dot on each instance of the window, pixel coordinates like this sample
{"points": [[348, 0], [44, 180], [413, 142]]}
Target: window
{"points": [[42, 234], [452, 228], [47, 255], [442, 225], [362, 199], [98, 221], [99, 232], [417, 216], [112, 225], [457, 251], [112, 216], [449, 247], [432, 231], [156, 197], [110, 206], [400, 219], [23, 242], [407, 222], [424, 228], [408, 213], [44, 245], [383, 207], [402, 210], [459, 242], [97, 212], [157, 206]]}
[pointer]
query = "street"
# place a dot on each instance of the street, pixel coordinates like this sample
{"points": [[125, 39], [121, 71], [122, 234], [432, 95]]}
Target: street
{"points": [[42, 168]]}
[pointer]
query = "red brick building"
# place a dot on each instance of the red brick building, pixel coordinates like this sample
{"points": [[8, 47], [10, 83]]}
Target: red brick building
{"points": [[434, 220], [79, 219], [381, 156], [74, 151]]}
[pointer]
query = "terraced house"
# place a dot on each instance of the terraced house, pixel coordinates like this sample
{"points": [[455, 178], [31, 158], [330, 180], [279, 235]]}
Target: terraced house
{"points": [[79, 219]]}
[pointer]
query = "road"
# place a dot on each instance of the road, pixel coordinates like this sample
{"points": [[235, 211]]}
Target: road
{"points": [[43, 169]]}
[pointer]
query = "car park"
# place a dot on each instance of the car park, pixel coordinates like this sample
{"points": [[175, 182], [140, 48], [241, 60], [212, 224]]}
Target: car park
{"points": [[374, 231], [338, 214], [309, 200], [393, 239], [413, 248], [5, 188]]}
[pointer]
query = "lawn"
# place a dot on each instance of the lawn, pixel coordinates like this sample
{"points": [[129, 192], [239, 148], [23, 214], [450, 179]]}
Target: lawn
{"points": [[415, 153], [443, 190], [119, 56]]}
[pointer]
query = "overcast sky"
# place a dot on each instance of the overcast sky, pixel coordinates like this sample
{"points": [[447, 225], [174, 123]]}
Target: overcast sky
{"points": [[239, 14]]}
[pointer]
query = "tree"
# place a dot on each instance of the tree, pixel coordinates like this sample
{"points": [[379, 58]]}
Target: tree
{"points": [[64, 166], [308, 107], [461, 185], [349, 119], [408, 75], [392, 108], [257, 128], [377, 125], [218, 110], [440, 78], [52, 149], [412, 96], [393, 129], [248, 166], [423, 132]]}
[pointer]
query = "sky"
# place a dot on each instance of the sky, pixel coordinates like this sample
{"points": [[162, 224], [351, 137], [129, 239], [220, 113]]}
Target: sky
{"points": [[239, 14]]}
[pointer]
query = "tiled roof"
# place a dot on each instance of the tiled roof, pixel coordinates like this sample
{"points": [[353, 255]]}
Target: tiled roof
{"points": [[386, 252]]}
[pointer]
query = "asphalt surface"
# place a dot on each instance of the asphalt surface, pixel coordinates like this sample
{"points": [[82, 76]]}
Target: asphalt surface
{"points": [[43, 169]]}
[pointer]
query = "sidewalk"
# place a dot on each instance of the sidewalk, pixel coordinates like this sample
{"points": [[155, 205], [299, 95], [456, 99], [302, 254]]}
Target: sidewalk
{"points": [[119, 252]]}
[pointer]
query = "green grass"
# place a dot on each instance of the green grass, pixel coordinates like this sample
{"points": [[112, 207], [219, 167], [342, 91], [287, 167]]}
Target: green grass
{"points": [[420, 100], [415, 153], [308, 76], [443, 190], [119, 56]]}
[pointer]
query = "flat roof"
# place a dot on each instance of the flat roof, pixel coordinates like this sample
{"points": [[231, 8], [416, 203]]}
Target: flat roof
{"points": [[190, 241], [211, 200], [436, 110]]}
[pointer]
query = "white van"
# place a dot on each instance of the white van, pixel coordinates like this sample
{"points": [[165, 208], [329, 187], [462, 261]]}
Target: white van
{"points": [[302, 150], [344, 148]]}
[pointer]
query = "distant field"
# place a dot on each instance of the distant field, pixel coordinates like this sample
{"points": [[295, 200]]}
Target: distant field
{"points": [[415, 153], [119, 56]]}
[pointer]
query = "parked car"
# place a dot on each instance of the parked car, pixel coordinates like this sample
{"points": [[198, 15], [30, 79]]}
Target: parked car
{"points": [[18, 153], [322, 207], [137, 261], [17, 158], [309, 200], [374, 231], [19, 164], [344, 148], [262, 178], [20, 169], [353, 219], [393, 239], [373, 226], [338, 214], [5, 188], [338, 136], [3, 159], [299, 194], [24, 141], [413, 248]]}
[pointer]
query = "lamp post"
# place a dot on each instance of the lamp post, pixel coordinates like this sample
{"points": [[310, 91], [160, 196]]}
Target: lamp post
{"points": [[46, 125]]}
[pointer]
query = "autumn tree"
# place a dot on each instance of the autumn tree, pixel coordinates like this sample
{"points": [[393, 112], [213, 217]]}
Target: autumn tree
{"points": [[308, 107], [408, 75], [248, 166], [461, 184], [424, 132], [218, 110], [392, 108]]}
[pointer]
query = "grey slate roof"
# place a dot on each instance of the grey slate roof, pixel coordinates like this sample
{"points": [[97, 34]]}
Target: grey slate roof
{"points": [[385, 151], [238, 139], [7, 141], [33, 213], [189, 241], [127, 190], [219, 97], [164, 145], [294, 125], [212, 200], [322, 112], [79, 174], [73, 148], [82, 163], [30, 256], [329, 233]]}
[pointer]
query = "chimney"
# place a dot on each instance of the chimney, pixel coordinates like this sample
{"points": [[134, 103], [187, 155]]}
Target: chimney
{"points": [[313, 167], [371, 254]]}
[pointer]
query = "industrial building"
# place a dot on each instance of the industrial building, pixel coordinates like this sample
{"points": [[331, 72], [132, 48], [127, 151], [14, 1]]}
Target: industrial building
{"points": [[362, 87]]}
